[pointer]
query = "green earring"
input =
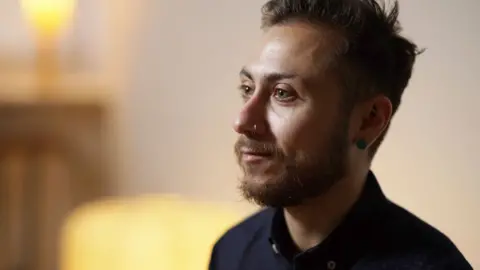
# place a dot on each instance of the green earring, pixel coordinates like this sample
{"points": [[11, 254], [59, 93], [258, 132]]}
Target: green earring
{"points": [[361, 144]]}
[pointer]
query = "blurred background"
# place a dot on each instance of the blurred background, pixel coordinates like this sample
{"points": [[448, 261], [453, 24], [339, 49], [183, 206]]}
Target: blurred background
{"points": [[129, 104]]}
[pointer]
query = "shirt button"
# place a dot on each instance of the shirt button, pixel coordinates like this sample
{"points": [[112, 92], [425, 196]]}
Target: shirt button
{"points": [[331, 265], [275, 249]]}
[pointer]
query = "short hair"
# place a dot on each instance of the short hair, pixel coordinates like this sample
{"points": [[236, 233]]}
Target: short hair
{"points": [[375, 58]]}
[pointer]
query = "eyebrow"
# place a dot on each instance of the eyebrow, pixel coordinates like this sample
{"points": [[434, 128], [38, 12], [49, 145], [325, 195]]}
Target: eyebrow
{"points": [[274, 76]]}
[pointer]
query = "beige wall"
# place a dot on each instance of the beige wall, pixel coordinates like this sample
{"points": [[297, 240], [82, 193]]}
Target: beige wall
{"points": [[174, 105], [182, 100]]}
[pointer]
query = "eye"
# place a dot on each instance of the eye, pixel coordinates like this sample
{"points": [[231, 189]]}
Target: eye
{"points": [[245, 91], [284, 95]]}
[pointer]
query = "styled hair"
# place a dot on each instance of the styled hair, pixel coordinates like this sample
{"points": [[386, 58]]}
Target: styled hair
{"points": [[374, 58]]}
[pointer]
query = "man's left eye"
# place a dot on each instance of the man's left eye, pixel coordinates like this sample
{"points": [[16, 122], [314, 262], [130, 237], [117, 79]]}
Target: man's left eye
{"points": [[284, 95]]}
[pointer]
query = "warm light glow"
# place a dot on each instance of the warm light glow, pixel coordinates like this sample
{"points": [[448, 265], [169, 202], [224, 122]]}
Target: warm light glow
{"points": [[149, 233], [48, 17]]}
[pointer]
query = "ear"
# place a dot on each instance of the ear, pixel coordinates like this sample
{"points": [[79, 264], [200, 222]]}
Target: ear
{"points": [[375, 114]]}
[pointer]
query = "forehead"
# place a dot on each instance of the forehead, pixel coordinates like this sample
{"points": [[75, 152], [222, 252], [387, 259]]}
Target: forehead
{"points": [[298, 48]]}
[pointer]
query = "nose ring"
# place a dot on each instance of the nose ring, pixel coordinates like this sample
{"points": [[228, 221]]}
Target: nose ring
{"points": [[255, 127]]}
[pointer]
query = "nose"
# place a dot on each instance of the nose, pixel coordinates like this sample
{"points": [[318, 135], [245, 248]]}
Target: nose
{"points": [[251, 119]]}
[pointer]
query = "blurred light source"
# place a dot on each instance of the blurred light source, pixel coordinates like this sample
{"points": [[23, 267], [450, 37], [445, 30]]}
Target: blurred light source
{"points": [[48, 17], [149, 233]]}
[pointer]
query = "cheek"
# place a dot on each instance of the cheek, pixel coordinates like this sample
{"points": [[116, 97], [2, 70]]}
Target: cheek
{"points": [[279, 120], [293, 129], [302, 130]]}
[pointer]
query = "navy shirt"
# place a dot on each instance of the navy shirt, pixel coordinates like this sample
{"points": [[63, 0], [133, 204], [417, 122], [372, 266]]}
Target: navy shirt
{"points": [[375, 234]]}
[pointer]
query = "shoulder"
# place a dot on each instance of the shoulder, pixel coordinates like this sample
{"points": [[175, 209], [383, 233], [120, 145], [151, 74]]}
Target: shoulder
{"points": [[233, 244], [248, 230], [413, 240]]}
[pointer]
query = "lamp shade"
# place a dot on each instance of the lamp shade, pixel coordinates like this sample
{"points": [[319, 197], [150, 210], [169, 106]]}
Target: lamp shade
{"points": [[48, 17], [148, 233]]}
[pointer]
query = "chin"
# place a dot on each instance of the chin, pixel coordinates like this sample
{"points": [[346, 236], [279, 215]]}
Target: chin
{"points": [[264, 189], [258, 181]]}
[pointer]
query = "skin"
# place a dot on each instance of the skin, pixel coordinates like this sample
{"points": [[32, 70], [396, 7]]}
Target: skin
{"points": [[296, 139]]}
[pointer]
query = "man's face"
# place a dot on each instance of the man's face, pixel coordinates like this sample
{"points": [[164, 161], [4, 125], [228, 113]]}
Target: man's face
{"points": [[293, 125]]}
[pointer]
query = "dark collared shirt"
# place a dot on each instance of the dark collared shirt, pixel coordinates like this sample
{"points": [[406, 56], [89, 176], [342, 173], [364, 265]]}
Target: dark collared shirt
{"points": [[376, 234]]}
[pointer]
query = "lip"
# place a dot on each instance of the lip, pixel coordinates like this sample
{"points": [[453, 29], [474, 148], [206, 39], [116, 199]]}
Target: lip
{"points": [[253, 156]]}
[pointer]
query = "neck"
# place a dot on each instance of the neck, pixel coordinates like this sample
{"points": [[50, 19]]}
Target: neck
{"points": [[311, 222]]}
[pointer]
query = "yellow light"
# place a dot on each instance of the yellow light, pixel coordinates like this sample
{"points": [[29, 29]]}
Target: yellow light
{"points": [[149, 233], [48, 17]]}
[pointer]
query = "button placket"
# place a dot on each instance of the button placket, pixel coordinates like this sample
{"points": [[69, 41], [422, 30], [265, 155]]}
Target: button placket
{"points": [[275, 249]]}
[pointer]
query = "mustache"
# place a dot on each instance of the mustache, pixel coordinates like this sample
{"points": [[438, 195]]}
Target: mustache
{"points": [[255, 146]]}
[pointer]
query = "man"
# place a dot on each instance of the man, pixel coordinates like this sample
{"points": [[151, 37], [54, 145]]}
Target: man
{"points": [[318, 100]]}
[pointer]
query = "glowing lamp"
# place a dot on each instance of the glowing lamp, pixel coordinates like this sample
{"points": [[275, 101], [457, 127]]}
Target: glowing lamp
{"points": [[148, 233], [48, 17]]}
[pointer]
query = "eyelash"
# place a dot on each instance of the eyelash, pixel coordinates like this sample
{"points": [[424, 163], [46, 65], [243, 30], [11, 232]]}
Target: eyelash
{"points": [[244, 87], [246, 91], [291, 97]]}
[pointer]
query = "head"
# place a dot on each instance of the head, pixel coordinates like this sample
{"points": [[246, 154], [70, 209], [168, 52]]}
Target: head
{"points": [[318, 96]]}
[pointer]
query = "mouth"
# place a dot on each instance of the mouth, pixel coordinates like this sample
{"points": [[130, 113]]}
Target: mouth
{"points": [[253, 156]]}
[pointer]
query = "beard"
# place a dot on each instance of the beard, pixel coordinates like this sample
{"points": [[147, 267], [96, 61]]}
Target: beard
{"points": [[286, 181]]}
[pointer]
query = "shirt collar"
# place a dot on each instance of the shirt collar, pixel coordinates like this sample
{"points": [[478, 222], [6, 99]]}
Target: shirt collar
{"points": [[347, 242]]}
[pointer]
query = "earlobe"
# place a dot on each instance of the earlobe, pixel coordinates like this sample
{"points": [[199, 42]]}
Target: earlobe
{"points": [[361, 144]]}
